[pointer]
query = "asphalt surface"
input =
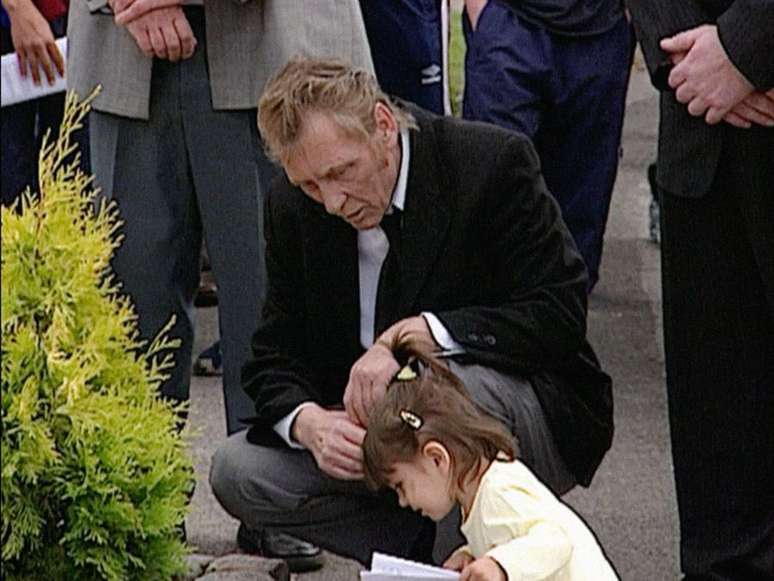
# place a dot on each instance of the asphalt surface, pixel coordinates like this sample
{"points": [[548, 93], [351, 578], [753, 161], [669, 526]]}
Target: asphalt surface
{"points": [[631, 502]]}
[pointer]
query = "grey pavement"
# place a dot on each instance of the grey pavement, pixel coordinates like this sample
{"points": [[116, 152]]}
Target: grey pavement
{"points": [[631, 502]]}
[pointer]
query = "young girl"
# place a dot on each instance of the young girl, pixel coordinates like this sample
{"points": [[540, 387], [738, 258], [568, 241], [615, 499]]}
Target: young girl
{"points": [[429, 442]]}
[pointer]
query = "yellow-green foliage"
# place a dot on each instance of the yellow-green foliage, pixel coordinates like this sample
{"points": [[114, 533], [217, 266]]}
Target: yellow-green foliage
{"points": [[95, 474]]}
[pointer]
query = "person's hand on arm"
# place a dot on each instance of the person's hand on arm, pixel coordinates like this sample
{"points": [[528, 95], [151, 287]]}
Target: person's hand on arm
{"points": [[333, 439], [33, 41], [705, 79], [372, 373], [164, 33]]}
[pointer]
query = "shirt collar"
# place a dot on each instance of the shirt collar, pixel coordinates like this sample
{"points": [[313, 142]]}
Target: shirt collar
{"points": [[399, 193]]}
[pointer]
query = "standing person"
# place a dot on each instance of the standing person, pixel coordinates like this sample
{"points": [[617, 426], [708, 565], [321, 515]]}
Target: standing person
{"points": [[408, 40], [29, 28], [429, 442], [385, 223], [174, 142], [556, 70], [712, 63]]}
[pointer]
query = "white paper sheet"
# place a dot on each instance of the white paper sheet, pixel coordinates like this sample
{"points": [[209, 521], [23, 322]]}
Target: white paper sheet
{"points": [[388, 568]]}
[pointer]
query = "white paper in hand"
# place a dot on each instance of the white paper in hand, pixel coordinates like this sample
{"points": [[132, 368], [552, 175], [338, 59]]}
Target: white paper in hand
{"points": [[388, 568], [16, 89]]}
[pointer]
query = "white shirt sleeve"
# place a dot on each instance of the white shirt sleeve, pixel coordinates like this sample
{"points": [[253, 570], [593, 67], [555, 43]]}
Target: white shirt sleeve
{"points": [[283, 426], [442, 336]]}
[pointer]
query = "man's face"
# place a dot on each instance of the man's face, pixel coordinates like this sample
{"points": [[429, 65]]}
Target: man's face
{"points": [[352, 177]]}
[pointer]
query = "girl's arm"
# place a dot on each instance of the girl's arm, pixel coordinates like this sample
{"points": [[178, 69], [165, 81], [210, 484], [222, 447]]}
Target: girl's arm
{"points": [[543, 551]]}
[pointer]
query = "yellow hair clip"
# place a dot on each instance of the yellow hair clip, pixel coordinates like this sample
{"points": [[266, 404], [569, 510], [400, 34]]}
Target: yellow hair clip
{"points": [[406, 374], [411, 419]]}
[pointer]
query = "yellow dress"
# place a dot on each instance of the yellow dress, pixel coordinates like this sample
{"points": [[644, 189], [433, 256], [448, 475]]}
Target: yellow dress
{"points": [[521, 524]]}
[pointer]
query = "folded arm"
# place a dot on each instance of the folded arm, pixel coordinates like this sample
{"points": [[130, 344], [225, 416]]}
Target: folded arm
{"points": [[720, 71]]}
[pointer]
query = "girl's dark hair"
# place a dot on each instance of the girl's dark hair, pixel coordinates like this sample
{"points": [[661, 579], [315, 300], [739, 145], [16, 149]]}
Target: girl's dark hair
{"points": [[439, 399]]}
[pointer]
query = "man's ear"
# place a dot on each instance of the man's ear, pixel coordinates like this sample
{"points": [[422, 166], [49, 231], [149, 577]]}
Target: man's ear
{"points": [[386, 124], [438, 453]]}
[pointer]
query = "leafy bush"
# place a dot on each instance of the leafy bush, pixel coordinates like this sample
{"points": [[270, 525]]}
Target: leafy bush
{"points": [[95, 473]]}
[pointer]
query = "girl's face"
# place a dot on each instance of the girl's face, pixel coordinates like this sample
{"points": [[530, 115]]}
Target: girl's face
{"points": [[424, 484]]}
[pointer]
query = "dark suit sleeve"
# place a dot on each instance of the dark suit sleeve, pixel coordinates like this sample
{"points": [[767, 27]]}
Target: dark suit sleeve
{"points": [[746, 31], [275, 377], [657, 19], [537, 313]]}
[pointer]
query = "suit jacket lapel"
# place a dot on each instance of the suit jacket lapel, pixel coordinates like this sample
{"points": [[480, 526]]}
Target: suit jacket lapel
{"points": [[426, 216]]}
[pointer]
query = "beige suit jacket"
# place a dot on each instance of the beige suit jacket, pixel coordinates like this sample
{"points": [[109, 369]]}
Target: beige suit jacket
{"points": [[247, 42]]}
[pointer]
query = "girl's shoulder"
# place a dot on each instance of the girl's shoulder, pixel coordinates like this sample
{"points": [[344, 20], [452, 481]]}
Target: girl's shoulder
{"points": [[507, 478]]}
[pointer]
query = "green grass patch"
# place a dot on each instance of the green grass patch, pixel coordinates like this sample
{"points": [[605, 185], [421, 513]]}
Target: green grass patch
{"points": [[456, 62]]}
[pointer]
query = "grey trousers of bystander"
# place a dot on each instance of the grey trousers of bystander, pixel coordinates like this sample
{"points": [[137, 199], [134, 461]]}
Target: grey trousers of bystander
{"points": [[187, 172]]}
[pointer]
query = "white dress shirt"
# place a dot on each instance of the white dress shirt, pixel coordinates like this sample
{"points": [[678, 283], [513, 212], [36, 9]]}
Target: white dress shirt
{"points": [[372, 246]]}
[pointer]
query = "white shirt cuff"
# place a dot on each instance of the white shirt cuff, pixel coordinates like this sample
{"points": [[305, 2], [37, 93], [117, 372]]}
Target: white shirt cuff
{"points": [[442, 337], [283, 426]]}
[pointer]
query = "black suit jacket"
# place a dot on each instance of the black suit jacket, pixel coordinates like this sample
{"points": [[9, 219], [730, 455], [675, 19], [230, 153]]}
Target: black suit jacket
{"points": [[482, 246], [689, 149]]}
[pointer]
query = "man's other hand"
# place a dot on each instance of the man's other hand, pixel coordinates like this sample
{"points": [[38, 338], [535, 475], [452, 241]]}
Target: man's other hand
{"points": [[368, 381], [34, 42], [127, 11], [371, 374], [704, 78], [333, 439], [474, 8], [755, 109], [164, 33]]}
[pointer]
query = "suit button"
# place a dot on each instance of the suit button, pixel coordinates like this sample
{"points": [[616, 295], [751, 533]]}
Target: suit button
{"points": [[473, 337], [490, 339]]}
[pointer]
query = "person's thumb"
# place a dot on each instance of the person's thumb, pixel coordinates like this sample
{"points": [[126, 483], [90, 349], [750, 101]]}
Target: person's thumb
{"points": [[681, 42]]}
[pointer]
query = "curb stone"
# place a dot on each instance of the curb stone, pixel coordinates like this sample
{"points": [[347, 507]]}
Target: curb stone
{"points": [[197, 564], [236, 567]]}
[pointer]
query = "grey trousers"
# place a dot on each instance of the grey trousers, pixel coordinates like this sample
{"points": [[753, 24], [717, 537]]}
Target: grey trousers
{"points": [[187, 172], [282, 488]]}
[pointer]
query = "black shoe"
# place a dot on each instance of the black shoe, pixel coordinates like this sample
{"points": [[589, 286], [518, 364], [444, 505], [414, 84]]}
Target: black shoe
{"points": [[209, 363], [207, 293], [300, 555]]}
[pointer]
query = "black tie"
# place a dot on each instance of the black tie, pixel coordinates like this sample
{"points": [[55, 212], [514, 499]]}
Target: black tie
{"points": [[388, 291]]}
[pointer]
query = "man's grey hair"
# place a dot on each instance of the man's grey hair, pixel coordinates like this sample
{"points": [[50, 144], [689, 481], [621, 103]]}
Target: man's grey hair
{"points": [[327, 86]]}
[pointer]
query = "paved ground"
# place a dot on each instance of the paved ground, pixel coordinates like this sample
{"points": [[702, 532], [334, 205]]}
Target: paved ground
{"points": [[631, 502]]}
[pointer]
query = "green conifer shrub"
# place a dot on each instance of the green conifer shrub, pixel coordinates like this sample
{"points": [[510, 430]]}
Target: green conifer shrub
{"points": [[95, 473]]}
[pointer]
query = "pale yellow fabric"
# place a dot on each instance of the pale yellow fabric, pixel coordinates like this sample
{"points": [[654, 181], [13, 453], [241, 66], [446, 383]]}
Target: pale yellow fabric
{"points": [[521, 524]]}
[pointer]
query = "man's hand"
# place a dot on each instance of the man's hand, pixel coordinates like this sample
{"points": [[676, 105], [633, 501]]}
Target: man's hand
{"points": [[368, 381], [164, 33], [755, 109], [483, 569], [474, 8], [334, 441], [127, 11], [372, 373], [458, 561], [704, 78], [34, 42]]}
